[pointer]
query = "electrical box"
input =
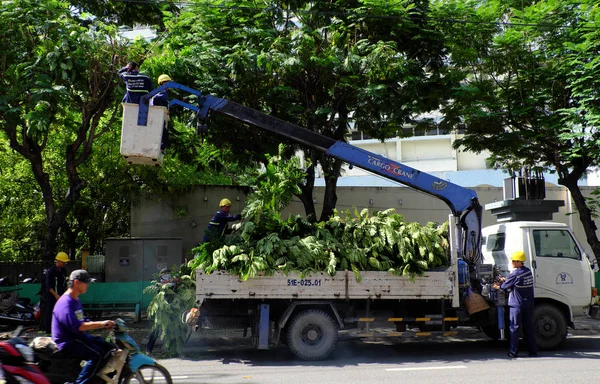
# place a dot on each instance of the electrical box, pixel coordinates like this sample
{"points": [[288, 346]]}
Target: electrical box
{"points": [[141, 144], [94, 264], [140, 258]]}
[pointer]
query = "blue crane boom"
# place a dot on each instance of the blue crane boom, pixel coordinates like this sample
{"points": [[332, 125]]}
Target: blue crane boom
{"points": [[463, 202]]}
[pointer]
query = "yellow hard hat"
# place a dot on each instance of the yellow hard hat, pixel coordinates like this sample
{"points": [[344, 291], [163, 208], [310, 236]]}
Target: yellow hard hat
{"points": [[225, 203], [61, 256], [518, 256], [163, 79]]}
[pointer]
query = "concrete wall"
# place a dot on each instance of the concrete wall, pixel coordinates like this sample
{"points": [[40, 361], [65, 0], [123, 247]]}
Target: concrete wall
{"points": [[187, 216]]}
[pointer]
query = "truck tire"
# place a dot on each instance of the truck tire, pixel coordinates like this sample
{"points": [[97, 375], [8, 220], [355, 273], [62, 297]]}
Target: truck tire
{"points": [[312, 335], [550, 326]]}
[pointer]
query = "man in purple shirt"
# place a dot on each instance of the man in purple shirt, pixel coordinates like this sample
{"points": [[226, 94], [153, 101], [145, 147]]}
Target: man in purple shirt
{"points": [[69, 326]]}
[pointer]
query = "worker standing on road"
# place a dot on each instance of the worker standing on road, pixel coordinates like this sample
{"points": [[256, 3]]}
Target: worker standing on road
{"points": [[218, 224], [519, 284], [56, 280], [137, 84], [161, 99]]}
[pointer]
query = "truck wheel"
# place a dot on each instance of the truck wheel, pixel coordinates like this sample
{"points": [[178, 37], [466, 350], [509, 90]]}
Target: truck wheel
{"points": [[550, 326], [312, 335]]}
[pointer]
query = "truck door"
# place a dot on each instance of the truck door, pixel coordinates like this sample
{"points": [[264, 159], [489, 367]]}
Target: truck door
{"points": [[560, 267]]}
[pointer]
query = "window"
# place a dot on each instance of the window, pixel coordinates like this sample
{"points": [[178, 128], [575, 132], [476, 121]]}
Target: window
{"points": [[495, 242], [358, 135], [555, 243]]}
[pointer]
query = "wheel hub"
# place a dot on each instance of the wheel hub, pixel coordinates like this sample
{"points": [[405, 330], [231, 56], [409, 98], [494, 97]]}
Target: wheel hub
{"points": [[547, 325], [312, 334]]}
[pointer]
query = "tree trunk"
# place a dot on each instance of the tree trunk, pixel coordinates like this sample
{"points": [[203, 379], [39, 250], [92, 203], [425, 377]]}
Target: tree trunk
{"points": [[330, 195], [585, 215], [306, 194], [332, 174]]}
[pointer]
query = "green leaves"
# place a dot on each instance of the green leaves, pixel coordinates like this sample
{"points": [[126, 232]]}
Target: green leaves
{"points": [[169, 301], [381, 242]]}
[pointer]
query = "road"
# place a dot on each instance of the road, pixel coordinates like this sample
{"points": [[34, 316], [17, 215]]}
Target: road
{"points": [[355, 361]]}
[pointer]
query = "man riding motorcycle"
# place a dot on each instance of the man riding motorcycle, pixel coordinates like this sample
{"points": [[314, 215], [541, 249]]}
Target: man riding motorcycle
{"points": [[69, 327]]}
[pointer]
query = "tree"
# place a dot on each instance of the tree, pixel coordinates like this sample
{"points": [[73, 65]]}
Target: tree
{"points": [[321, 65], [126, 13], [21, 216], [58, 82], [528, 88]]}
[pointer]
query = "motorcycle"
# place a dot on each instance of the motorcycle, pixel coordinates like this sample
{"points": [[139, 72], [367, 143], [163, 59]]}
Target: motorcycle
{"points": [[126, 365], [15, 310], [17, 363]]}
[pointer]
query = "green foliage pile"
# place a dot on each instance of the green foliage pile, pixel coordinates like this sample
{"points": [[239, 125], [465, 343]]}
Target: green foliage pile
{"points": [[167, 304], [357, 241], [264, 243]]}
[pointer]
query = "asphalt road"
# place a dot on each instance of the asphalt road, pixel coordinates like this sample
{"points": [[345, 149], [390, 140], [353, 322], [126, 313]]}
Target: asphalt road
{"points": [[474, 360]]}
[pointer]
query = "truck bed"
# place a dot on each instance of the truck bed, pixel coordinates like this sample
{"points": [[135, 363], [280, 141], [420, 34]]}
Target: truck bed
{"points": [[322, 286]]}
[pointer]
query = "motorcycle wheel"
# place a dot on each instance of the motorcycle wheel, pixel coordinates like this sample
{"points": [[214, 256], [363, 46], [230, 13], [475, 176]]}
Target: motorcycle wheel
{"points": [[149, 374]]}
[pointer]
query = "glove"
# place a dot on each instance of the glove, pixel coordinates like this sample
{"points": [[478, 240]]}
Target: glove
{"points": [[238, 216]]}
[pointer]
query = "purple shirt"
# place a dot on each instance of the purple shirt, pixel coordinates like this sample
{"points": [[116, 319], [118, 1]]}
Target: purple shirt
{"points": [[67, 317]]}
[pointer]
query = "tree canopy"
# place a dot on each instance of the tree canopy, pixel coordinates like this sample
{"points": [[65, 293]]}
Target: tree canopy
{"points": [[326, 66], [521, 77], [528, 87]]}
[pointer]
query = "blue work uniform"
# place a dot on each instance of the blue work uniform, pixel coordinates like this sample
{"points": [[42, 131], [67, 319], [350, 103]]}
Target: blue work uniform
{"points": [[56, 279], [137, 85], [218, 224], [161, 99], [519, 284]]}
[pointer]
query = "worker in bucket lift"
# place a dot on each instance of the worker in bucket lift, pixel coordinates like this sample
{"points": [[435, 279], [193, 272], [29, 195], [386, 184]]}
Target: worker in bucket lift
{"points": [[218, 224], [161, 99], [519, 284], [137, 84]]}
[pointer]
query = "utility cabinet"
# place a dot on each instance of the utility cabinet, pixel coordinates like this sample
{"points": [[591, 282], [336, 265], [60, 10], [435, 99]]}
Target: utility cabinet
{"points": [[140, 258], [141, 144]]}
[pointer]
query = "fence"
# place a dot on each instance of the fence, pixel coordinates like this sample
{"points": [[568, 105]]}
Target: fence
{"points": [[34, 269]]}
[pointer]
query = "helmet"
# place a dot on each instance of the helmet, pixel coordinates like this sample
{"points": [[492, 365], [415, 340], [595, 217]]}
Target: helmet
{"points": [[518, 256], [225, 203], [61, 256], [163, 78]]}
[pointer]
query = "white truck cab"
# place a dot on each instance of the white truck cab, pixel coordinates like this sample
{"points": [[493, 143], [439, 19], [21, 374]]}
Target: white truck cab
{"points": [[564, 278]]}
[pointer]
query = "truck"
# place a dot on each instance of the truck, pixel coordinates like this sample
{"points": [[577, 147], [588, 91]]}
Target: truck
{"points": [[306, 312]]}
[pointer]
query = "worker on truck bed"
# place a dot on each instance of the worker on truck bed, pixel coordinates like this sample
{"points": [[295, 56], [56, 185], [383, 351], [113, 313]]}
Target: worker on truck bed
{"points": [[218, 224], [519, 284], [137, 84]]}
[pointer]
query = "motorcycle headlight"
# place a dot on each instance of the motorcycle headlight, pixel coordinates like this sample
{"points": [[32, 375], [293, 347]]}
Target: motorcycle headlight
{"points": [[26, 351]]}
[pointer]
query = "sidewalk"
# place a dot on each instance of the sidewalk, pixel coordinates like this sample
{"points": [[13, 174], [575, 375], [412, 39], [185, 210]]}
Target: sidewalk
{"points": [[585, 325]]}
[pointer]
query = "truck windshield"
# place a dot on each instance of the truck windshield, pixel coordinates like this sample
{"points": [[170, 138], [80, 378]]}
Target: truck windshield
{"points": [[555, 243], [495, 242]]}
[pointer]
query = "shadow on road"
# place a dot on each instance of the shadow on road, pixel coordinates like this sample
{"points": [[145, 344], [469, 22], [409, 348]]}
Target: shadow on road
{"points": [[355, 351]]}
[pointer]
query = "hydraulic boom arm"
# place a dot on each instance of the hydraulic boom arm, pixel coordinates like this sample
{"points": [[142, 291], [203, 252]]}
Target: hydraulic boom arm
{"points": [[463, 202]]}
